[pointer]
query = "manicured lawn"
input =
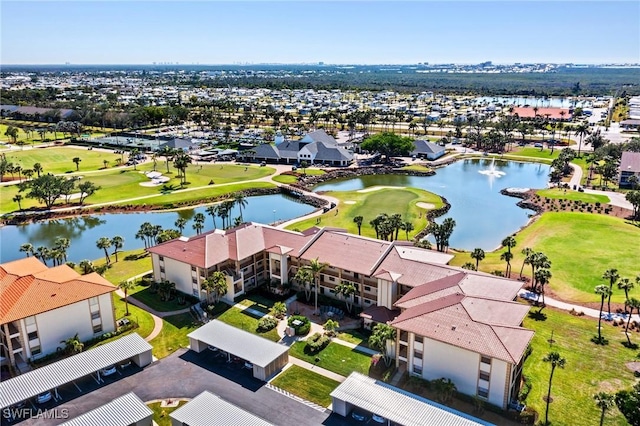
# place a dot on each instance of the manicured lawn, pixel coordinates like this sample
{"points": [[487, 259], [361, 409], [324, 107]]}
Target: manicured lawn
{"points": [[286, 179], [161, 414], [562, 194], [337, 358], [130, 263], [247, 322], [152, 300], [306, 384], [174, 334], [581, 246], [142, 317], [355, 337], [370, 204], [417, 167], [257, 302], [59, 159], [590, 368]]}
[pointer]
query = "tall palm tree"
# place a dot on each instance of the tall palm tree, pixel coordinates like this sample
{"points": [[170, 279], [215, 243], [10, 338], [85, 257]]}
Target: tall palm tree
{"points": [[62, 244], [86, 265], [507, 256], [538, 260], [240, 200], [117, 242], [632, 303], [27, 248], [181, 222], [18, 199], [556, 361], [346, 289], [212, 211], [582, 130], [37, 167], [542, 278], [604, 292], [612, 275], [407, 227], [358, 221], [304, 277], [477, 254], [315, 267], [604, 401], [126, 286], [198, 222], [104, 243], [215, 284], [626, 284], [509, 242]]}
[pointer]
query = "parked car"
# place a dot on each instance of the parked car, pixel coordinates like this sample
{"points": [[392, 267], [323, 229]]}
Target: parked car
{"points": [[378, 419], [359, 415], [248, 365], [537, 145], [44, 397], [109, 370], [262, 164]]}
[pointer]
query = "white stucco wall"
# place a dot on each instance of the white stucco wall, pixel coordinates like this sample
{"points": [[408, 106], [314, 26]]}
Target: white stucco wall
{"points": [[386, 290], [459, 365], [497, 382], [177, 272]]}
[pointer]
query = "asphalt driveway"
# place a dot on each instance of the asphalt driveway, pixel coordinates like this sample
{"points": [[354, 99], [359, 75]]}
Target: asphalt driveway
{"points": [[185, 374]]}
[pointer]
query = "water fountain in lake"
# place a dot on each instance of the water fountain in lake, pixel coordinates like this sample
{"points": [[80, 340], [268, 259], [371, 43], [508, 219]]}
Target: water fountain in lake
{"points": [[492, 172]]}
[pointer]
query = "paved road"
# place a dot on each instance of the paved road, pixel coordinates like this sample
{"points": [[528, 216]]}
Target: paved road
{"points": [[185, 374]]}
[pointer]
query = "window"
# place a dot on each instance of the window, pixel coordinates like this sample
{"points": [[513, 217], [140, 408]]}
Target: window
{"points": [[33, 335], [484, 376], [417, 354], [194, 280], [482, 392], [367, 288], [97, 328], [161, 258], [195, 292], [417, 369], [367, 302], [93, 301], [355, 275], [95, 315], [36, 350], [193, 268], [162, 269], [30, 320], [417, 339], [485, 360], [332, 279]]}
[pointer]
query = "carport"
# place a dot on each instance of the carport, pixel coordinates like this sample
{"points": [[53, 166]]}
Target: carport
{"points": [[50, 377], [266, 356], [395, 405], [128, 410], [209, 409]]}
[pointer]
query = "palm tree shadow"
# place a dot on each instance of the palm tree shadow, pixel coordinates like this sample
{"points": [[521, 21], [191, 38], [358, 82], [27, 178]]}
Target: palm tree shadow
{"points": [[537, 315], [632, 346]]}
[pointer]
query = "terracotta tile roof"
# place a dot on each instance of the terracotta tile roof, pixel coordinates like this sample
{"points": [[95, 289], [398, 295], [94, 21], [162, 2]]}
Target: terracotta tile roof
{"points": [[471, 324], [414, 273], [552, 113], [346, 251], [32, 288], [380, 314], [189, 250], [431, 290]]}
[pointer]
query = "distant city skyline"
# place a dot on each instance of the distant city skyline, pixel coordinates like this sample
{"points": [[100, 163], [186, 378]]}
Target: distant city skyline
{"points": [[305, 32]]}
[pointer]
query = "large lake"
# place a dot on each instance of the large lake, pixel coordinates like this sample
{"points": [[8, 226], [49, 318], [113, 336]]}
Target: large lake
{"points": [[84, 231], [483, 216]]}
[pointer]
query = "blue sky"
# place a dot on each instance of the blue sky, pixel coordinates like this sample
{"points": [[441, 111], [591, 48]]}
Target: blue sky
{"points": [[335, 32]]}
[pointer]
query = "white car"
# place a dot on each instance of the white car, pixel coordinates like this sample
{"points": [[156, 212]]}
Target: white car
{"points": [[378, 419], [44, 397], [109, 370]]}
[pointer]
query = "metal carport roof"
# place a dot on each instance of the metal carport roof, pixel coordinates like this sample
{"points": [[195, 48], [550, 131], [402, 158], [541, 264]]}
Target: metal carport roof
{"points": [[398, 405], [123, 411], [208, 409], [69, 369], [255, 349]]}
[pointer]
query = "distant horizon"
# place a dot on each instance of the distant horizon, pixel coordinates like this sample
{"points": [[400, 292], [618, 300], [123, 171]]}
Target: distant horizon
{"points": [[308, 32], [317, 64]]}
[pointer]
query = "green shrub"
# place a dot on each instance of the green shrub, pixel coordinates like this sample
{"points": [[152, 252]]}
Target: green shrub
{"points": [[301, 329], [267, 323], [316, 343]]}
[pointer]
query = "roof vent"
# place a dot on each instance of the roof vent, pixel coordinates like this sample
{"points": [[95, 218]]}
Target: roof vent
{"points": [[184, 249], [53, 295], [453, 328]]}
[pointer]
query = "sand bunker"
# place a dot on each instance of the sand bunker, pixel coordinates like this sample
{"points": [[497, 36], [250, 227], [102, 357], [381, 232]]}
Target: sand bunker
{"points": [[378, 187], [349, 202], [425, 205]]}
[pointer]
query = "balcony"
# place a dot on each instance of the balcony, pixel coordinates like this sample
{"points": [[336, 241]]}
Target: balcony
{"points": [[13, 330], [16, 343], [235, 277]]}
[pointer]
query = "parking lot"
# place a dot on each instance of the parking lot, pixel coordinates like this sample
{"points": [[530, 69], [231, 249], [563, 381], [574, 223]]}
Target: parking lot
{"points": [[185, 374]]}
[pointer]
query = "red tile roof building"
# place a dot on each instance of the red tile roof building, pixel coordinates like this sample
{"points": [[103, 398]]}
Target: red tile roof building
{"points": [[556, 114], [40, 306]]}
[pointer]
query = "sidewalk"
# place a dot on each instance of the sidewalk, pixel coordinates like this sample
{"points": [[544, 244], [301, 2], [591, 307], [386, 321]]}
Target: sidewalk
{"points": [[319, 370]]}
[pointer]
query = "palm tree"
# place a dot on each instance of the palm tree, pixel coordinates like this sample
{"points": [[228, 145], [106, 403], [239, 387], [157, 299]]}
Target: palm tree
{"points": [[126, 286], [582, 130], [73, 345], [215, 284], [604, 292], [304, 277], [62, 245], [632, 303], [86, 265], [542, 278], [18, 199], [626, 284], [346, 289], [27, 248], [315, 267], [212, 211], [556, 361], [104, 243], [77, 161], [168, 153], [117, 242], [509, 242], [198, 222], [358, 221], [240, 200], [469, 266], [612, 275], [37, 167], [538, 260], [478, 255], [507, 256], [180, 223], [407, 227], [605, 402], [378, 340]]}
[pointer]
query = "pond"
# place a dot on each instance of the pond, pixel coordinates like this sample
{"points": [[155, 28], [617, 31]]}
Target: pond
{"points": [[84, 231], [483, 216]]}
